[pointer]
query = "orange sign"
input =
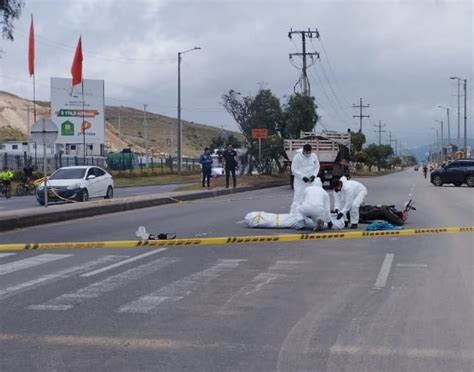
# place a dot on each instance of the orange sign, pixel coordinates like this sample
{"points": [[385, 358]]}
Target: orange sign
{"points": [[259, 133]]}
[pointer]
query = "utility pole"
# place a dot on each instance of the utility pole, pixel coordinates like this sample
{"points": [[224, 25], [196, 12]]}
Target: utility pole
{"points": [[396, 146], [380, 131], [459, 107], [304, 77], [442, 138], [28, 127], [146, 134], [465, 118], [120, 123], [360, 116]]}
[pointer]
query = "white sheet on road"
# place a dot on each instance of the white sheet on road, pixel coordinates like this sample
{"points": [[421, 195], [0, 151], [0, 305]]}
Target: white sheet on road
{"points": [[285, 221]]}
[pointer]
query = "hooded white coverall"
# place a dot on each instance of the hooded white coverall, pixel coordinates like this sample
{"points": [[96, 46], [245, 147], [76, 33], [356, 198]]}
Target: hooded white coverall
{"points": [[350, 198], [302, 166], [316, 204]]}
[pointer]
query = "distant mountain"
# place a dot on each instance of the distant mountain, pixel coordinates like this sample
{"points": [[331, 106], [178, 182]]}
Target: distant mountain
{"points": [[420, 152], [161, 130]]}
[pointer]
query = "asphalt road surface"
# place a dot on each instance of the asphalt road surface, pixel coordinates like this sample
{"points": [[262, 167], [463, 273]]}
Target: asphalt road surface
{"points": [[376, 304]]}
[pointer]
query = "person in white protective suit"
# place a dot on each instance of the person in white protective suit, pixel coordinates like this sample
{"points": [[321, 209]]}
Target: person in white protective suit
{"points": [[305, 168], [316, 205], [348, 196]]}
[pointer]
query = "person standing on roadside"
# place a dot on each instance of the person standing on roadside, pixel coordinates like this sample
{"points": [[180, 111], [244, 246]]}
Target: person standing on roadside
{"points": [[230, 163], [206, 165], [305, 168]]}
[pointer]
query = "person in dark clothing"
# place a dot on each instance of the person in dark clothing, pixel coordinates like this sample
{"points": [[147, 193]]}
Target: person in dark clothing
{"points": [[28, 173], [230, 163], [206, 164]]}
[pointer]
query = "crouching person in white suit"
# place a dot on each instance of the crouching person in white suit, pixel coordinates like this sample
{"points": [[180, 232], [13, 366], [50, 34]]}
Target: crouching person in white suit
{"points": [[316, 205], [348, 196]]}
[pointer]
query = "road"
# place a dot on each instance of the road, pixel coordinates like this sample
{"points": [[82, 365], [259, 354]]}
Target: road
{"points": [[378, 304], [23, 202]]}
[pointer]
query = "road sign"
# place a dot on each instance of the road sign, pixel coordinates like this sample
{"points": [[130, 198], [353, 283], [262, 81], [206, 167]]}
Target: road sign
{"points": [[44, 132], [259, 133]]}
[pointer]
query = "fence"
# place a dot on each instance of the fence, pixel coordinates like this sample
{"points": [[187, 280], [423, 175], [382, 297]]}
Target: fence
{"points": [[16, 162], [54, 161]]}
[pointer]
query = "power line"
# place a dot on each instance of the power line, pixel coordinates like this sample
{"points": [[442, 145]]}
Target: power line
{"points": [[380, 131], [303, 80], [360, 116]]}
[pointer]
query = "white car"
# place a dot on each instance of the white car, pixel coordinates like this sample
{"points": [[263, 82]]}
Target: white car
{"points": [[77, 183]]}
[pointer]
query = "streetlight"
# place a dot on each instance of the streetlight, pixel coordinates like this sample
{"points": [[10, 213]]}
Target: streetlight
{"points": [[465, 113], [442, 137], [449, 127], [180, 129]]}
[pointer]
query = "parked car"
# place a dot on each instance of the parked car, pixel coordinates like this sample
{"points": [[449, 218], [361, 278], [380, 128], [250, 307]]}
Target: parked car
{"points": [[77, 183], [456, 172], [416, 168]]}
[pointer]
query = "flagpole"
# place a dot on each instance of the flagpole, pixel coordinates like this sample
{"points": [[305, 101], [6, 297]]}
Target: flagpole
{"points": [[34, 99], [83, 123]]}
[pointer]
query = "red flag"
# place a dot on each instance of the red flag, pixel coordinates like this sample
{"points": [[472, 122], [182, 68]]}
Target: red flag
{"points": [[76, 68], [31, 49]]}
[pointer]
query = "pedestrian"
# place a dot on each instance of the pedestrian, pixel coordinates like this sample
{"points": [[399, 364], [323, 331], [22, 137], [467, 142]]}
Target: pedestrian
{"points": [[230, 163], [244, 161], [305, 169], [27, 173], [206, 165], [316, 205], [348, 196]]}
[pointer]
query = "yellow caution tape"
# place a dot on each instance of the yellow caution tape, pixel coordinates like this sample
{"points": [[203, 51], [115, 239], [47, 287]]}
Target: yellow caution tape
{"points": [[238, 239]]}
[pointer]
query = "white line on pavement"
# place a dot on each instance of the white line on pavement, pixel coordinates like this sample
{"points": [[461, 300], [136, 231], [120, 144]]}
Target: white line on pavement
{"points": [[384, 271], [69, 300], [177, 290], [42, 280], [113, 266], [6, 254], [30, 262]]}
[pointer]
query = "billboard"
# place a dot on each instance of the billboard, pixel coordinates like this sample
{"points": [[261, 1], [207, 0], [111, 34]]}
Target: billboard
{"points": [[78, 120]]}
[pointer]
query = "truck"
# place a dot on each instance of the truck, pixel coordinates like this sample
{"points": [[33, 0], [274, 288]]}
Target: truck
{"points": [[332, 149]]}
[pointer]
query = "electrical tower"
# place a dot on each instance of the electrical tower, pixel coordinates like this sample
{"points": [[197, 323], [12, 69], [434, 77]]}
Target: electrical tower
{"points": [[380, 131], [303, 80], [360, 116]]}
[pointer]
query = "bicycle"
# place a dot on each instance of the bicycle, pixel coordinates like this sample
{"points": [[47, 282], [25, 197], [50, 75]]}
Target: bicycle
{"points": [[25, 188], [5, 189]]}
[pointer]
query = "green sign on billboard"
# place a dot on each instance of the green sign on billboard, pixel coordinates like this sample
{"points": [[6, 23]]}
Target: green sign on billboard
{"points": [[67, 128]]}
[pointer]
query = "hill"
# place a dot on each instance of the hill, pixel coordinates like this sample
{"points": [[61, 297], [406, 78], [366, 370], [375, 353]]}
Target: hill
{"points": [[161, 130]]}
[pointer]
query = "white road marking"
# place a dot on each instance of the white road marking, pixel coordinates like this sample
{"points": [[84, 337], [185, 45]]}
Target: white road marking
{"points": [[411, 265], [69, 300], [30, 262], [113, 266], [385, 351], [384, 271], [6, 254], [177, 290], [42, 280], [277, 271]]}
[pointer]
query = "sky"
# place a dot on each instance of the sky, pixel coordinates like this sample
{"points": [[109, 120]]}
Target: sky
{"points": [[397, 56]]}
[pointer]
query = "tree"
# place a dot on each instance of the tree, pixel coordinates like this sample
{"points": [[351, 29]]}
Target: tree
{"points": [[377, 155], [240, 108], [299, 115], [357, 141], [9, 10], [262, 111]]}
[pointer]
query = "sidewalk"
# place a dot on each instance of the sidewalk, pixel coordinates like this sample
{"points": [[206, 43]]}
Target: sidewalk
{"points": [[11, 220]]}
